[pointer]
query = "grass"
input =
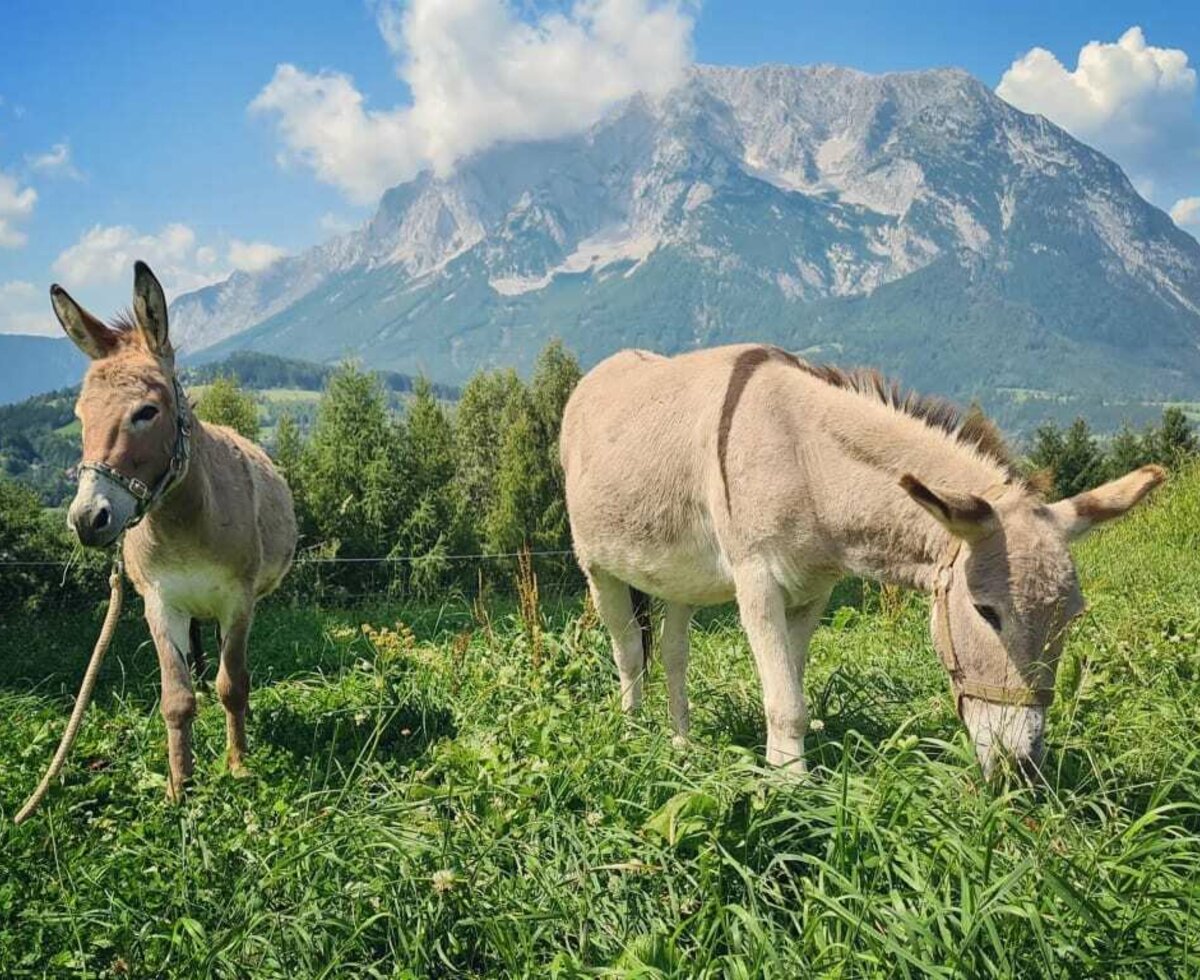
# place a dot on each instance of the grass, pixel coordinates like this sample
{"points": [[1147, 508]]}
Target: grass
{"points": [[428, 802]]}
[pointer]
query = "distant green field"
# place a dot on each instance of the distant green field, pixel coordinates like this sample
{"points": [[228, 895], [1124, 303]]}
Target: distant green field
{"points": [[442, 798]]}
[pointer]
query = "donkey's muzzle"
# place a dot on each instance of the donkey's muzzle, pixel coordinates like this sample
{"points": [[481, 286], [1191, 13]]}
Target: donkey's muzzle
{"points": [[100, 511], [94, 526]]}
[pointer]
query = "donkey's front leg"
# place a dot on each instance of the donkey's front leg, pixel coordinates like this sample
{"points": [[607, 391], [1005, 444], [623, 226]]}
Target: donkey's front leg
{"points": [[170, 629], [762, 605], [233, 686]]}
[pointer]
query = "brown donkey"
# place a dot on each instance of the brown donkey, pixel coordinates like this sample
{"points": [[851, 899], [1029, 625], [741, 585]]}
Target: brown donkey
{"points": [[207, 520], [745, 473]]}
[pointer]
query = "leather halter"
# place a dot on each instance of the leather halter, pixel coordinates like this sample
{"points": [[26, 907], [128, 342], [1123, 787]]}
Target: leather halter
{"points": [[1022, 695], [148, 497]]}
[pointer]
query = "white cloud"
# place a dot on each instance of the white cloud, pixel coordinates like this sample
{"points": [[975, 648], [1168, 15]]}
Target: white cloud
{"points": [[105, 254], [16, 205], [337, 224], [25, 309], [55, 162], [253, 256], [1186, 211], [478, 74], [1131, 100]]}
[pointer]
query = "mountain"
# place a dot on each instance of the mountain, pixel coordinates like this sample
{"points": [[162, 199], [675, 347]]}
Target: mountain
{"points": [[29, 365], [914, 221]]}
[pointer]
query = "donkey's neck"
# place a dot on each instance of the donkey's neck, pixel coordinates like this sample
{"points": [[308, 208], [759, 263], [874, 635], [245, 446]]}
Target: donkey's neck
{"points": [[881, 532]]}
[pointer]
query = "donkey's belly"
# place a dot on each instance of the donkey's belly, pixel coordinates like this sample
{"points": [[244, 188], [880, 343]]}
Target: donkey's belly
{"points": [[202, 591], [688, 570]]}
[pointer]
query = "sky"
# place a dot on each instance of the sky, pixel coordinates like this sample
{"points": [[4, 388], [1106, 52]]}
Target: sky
{"points": [[212, 136]]}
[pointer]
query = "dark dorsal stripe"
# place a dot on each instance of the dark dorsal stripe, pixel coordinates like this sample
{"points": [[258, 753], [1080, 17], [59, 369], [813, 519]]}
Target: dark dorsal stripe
{"points": [[744, 366]]}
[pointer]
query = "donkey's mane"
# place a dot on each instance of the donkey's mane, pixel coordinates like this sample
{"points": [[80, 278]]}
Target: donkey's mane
{"points": [[971, 428], [124, 324]]}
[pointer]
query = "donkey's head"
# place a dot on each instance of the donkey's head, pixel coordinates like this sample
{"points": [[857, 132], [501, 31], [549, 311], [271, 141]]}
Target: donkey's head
{"points": [[131, 408], [1004, 594]]}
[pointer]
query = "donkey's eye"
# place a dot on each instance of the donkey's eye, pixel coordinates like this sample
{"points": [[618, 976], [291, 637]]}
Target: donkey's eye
{"points": [[990, 614], [145, 413]]}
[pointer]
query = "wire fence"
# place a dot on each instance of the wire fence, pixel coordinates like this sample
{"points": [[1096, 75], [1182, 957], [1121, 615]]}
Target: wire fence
{"points": [[319, 580], [334, 560]]}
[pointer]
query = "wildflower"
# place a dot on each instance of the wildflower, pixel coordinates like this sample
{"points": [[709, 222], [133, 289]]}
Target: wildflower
{"points": [[816, 725], [360, 717], [594, 818], [443, 881]]}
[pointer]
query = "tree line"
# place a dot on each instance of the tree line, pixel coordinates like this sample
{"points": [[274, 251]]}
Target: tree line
{"points": [[388, 502], [1074, 459]]}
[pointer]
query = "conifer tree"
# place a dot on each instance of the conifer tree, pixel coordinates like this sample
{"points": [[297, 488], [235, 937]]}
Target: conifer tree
{"points": [[225, 403]]}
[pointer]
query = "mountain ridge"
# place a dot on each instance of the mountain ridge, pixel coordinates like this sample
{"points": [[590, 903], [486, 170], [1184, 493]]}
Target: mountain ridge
{"points": [[912, 220]]}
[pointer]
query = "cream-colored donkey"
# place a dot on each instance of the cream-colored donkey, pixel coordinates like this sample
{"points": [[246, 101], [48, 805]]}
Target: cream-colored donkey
{"points": [[745, 473], [207, 521]]}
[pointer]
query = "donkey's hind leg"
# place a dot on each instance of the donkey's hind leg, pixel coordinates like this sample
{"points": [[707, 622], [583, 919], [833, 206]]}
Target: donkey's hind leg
{"points": [[615, 606], [233, 686], [676, 619]]}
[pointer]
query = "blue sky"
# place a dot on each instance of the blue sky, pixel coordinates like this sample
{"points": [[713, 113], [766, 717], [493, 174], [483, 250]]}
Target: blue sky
{"points": [[127, 128]]}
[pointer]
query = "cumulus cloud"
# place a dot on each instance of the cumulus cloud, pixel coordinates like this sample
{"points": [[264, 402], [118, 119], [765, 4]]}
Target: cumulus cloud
{"points": [[1129, 99], [105, 255], [55, 162], [336, 224], [16, 206], [253, 256], [478, 74], [25, 309], [1186, 212]]}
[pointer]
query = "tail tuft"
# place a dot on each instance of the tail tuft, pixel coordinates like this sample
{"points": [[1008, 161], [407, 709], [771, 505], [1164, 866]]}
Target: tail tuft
{"points": [[641, 612], [196, 648]]}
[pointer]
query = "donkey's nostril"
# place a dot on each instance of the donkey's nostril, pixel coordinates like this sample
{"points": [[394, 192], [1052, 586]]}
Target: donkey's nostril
{"points": [[100, 521]]}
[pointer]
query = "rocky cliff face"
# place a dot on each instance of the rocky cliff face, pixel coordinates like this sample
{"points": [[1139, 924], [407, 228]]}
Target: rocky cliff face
{"points": [[911, 220]]}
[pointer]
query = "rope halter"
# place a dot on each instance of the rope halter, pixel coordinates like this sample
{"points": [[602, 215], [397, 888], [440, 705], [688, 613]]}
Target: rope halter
{"points": [[148, 497], [1021, 695]]}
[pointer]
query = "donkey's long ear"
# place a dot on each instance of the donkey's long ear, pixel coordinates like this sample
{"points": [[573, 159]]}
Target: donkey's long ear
{"points": [[964, 515], [1079, 514], [150, 309], [89, 334]]}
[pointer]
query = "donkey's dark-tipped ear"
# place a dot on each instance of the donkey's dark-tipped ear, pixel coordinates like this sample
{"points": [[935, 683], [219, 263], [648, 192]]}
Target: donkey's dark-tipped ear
{"points": [[89, 334], [964, 515], [150, 309], [1079, 514]]}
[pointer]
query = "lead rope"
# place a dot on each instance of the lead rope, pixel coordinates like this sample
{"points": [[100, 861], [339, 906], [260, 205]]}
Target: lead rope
{"points": [[115, 600]]}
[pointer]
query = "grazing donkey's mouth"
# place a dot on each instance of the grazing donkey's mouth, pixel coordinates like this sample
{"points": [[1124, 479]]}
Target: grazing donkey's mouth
{"points": [[1015, 733]]}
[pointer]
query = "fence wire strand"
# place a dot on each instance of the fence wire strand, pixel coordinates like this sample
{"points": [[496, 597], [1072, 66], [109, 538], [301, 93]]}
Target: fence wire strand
{"points": [[312, 560]]}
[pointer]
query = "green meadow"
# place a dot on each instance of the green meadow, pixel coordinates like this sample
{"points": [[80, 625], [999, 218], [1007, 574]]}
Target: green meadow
{"points": [[451, 789]]}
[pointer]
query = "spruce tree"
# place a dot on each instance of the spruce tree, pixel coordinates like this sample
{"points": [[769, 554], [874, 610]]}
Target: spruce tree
{"points": [[351, 466], [430, 530], [1126, 452], [479, 425], [1175, 438], [522, 480], [225, 403]]}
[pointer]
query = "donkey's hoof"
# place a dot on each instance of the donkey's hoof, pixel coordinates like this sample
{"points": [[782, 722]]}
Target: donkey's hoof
{"points": [[239, 770], [680, 743], [177, 789]]}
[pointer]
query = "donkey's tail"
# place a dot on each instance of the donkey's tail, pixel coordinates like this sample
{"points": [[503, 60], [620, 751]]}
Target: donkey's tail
{"points": [[641, 612], [196, 648]]}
